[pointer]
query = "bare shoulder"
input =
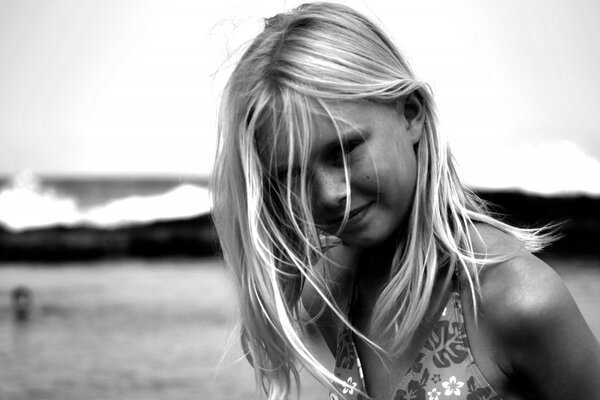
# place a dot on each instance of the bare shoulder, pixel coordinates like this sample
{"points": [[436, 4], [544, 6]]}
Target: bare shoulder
{"points": [[536, 323], [522, 291]]}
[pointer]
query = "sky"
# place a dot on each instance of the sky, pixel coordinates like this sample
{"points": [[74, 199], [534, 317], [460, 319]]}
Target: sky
{"points": [[131, 87]]}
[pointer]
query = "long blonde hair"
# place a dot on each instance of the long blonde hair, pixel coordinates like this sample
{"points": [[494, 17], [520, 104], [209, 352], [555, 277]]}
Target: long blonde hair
{"points": [[303, 61]]}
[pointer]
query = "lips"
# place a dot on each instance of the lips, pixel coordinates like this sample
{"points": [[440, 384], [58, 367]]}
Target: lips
{"points": [[353, 213]]}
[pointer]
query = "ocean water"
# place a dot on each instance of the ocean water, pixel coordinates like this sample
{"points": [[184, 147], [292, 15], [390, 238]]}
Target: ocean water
{"points": [[130, 330], [151, 330]]}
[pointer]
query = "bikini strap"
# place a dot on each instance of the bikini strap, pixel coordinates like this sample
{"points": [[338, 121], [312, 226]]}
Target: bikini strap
{"points": [[456, 278]]}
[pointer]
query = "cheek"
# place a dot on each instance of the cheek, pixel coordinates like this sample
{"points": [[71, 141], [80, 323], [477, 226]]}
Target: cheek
{"points": [[409, 181], [398, 177]]}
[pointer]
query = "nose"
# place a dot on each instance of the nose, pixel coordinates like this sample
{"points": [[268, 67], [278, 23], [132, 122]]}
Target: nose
{"points": [[329, 190]]}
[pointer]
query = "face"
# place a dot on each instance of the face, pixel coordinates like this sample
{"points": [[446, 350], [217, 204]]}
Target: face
{"points": [[379, 143]]}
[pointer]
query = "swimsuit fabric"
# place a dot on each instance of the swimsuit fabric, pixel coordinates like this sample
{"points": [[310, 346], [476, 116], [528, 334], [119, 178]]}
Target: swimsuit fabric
{"points": [[444, 368]]}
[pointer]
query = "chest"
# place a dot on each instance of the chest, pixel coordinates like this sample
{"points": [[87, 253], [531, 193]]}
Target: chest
{"points": [[438, 362], [380, 371]]}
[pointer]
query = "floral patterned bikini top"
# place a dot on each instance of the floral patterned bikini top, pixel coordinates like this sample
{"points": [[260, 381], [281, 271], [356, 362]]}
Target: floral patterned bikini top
{"points": [[444, 369]]}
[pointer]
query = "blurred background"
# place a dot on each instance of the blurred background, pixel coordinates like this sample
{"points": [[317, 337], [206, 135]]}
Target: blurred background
{"points": [[109, 283]]}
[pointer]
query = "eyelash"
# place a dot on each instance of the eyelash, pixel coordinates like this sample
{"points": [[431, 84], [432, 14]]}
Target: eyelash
{"points": [[336, 156]]}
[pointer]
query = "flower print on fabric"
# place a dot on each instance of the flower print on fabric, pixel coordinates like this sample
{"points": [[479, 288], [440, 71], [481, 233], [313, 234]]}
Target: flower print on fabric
{"points": [[433, 394], [452, 386], [479, 393], [418, 365], [346, 353], [444, 369], [447, 342], [415, 389], [350, 388]]}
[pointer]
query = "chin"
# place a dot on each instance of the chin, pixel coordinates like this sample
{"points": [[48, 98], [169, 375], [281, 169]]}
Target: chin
{"points": [[381, 237]]}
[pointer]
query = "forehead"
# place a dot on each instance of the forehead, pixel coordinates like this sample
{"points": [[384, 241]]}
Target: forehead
{"points": [[345, 117]]}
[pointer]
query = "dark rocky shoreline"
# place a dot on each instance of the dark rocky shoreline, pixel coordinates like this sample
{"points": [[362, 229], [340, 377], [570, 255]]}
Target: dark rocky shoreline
{"points": [[579, 217], [193, 237]]}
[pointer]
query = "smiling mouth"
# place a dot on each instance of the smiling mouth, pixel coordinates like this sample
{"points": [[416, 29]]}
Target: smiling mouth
{"points": [[353, 214]]}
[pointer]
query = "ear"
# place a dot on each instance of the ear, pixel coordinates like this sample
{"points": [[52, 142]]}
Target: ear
{"points": [[414, 113]]}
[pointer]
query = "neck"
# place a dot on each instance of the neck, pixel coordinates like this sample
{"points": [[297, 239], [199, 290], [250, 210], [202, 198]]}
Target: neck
{"points": [[374, 272], [376, 262]]}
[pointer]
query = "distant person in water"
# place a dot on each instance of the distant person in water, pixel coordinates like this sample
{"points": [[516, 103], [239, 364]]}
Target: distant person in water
{"points": [[22, 300]]}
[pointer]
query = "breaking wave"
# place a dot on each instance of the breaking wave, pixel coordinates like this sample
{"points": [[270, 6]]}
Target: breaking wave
{"points": [[26, 203]]}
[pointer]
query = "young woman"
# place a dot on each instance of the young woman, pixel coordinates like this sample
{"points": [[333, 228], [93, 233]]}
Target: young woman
{"points": [[341, 215]]}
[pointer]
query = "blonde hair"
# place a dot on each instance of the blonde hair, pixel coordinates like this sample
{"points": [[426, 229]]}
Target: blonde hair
{"points": [[302, 62]]}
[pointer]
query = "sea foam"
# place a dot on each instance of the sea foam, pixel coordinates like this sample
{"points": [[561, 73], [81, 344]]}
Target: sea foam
{"points": [[27, 203]]}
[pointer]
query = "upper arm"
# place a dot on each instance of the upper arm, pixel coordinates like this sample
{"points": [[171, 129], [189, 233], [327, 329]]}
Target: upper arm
{"points": [[545, 338]]}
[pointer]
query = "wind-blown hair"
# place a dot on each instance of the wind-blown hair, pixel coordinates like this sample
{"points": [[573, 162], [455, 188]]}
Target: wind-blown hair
{"points": [[295, 69]]}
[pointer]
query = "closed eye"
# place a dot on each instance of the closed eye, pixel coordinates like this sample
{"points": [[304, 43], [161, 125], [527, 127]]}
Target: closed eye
{"points": [[335, 156]]}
